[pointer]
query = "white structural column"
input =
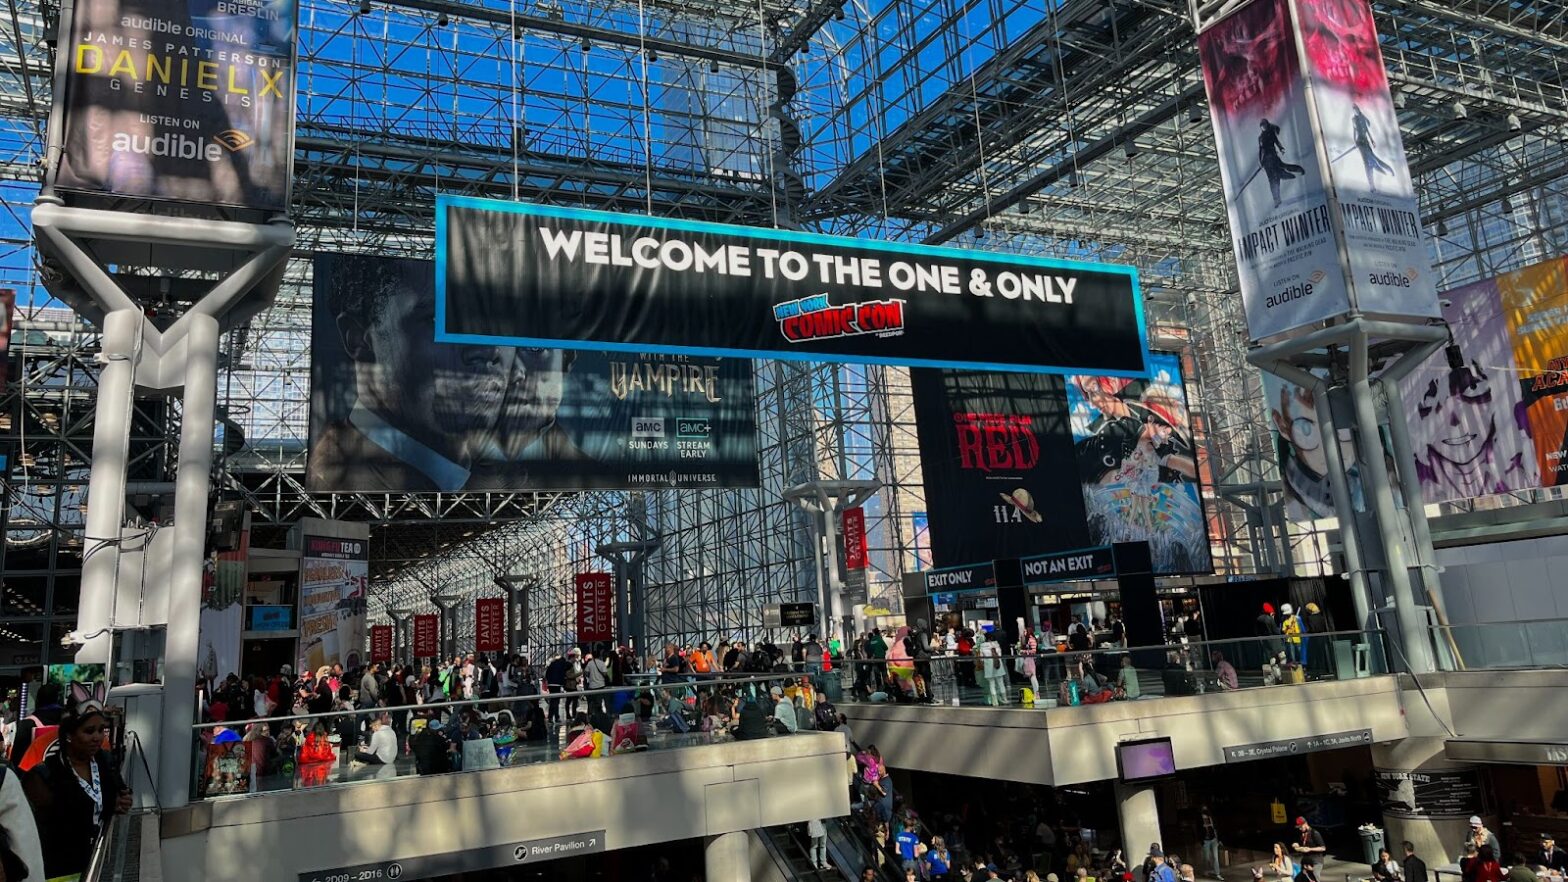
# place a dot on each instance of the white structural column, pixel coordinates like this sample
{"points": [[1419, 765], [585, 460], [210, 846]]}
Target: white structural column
{"points": [[728, 857], [1139, 814], [122, 338], [191, 488]]}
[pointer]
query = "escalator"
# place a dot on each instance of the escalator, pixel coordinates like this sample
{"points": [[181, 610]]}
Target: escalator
{"points": [[850, 851]]}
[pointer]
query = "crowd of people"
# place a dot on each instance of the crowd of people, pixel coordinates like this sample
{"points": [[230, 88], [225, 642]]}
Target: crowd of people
{"points": [[1088, 664], [287, 730]]}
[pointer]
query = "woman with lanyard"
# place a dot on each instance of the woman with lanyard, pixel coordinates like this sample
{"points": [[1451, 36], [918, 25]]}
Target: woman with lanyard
{"points": [[75, 791]]}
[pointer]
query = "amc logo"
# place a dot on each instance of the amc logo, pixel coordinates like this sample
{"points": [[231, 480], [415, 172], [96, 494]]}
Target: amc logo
{"points": [[692, 428], [648, 427]]}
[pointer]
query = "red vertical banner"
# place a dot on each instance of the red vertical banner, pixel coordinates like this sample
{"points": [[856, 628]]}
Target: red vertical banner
{"points": [[854, 538], [595, 605], [489, 624], [425, 637], [7, 301], [380, 643]]}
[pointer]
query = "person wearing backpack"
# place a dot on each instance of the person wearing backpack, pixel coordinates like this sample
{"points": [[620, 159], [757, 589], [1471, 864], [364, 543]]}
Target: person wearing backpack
{"points": [[41, 725], [21, 855]]}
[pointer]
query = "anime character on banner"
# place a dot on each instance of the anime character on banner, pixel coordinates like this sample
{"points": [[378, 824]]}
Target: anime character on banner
{"points": [[1298, 446], [1138, 464], [1535, 300], [1468, 423], [1303, 462]]}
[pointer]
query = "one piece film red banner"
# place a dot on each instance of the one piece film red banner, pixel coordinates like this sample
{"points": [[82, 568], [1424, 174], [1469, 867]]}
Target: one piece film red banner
{"points": [[855, 538], [380, 643], [489, 624], [425, 637], [595, 605]]}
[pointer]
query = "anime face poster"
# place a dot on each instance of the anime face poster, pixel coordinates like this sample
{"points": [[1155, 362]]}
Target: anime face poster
{"points": [[1498, 420]]}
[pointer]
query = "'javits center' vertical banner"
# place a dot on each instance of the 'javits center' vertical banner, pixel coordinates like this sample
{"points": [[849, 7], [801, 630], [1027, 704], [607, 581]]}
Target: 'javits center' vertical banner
{"points": [[1019, 465], [1313, 166], [189, 100]]}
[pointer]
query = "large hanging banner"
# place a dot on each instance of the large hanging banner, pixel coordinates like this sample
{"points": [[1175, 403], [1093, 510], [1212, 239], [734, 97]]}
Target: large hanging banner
{"points": [[1018, 465], [595, 607], [394, 411], [426, 636], [334, 575], [1390, 272], [528, 275], [1498, 421], [1313, 166], [489, 624], [189, 100], [1139, 466]]}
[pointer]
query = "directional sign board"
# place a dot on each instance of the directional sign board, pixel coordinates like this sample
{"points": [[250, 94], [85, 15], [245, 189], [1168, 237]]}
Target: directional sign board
{"points": [[473, 860], [1292, 746]]}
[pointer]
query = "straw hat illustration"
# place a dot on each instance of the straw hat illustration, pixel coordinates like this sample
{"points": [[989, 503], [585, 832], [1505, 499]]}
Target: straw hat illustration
{"points": [[1024, 502]]}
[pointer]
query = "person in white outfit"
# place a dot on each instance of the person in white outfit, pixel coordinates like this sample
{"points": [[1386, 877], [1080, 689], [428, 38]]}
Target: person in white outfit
{"points": [[819, 843], [17, 825], [994, 671]]}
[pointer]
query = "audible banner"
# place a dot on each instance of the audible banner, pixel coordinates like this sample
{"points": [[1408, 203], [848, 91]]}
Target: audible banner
{"points": [[529, 275], [489, 624], [993, 449], [1313, 167], [394, 411], [426, 636], [189, 100], [595, 607]]}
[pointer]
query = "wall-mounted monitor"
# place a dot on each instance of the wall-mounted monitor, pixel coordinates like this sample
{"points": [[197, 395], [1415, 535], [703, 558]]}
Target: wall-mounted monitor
{"points": [[1147, 759], [265, 617]]}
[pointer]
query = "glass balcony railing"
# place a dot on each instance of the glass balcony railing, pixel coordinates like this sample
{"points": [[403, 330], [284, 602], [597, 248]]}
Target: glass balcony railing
{"points": [[1540, 643], [350, 746], [1063, 677]]}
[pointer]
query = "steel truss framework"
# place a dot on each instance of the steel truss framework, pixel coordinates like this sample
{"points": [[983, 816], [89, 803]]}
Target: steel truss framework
{"points": [[1070, 128]]}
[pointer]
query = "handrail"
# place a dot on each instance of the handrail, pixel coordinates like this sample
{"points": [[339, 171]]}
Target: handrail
{"points": [[685, 683]]}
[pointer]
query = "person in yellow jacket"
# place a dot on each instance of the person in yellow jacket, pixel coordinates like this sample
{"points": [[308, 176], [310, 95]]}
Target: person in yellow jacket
{"points": [[1290, 626]]}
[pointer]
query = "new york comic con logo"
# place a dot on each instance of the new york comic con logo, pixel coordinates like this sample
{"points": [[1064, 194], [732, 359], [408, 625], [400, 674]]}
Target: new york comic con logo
{"points": [[814, 318]]}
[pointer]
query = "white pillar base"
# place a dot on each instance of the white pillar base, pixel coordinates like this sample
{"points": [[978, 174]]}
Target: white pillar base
{"points": [[728, 857], [1139, 814]]}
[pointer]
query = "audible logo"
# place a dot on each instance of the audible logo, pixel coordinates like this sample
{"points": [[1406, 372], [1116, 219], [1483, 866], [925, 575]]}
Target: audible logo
{"points": [[1389, 279], [1291, 292], [174, 145], [234, 139]]}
